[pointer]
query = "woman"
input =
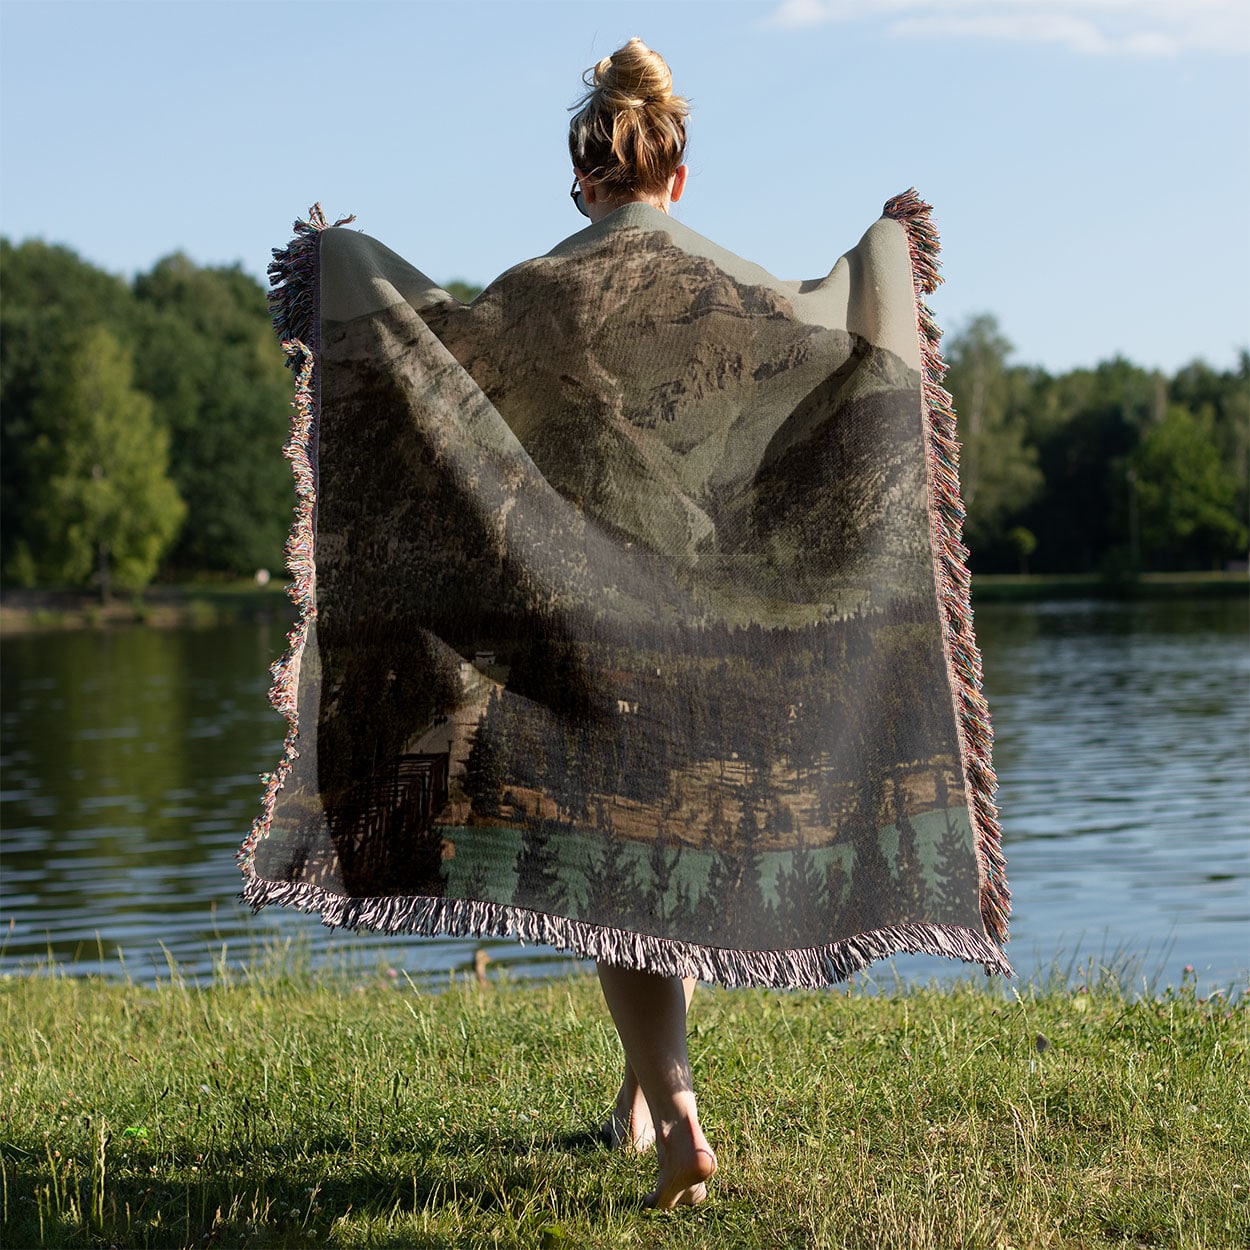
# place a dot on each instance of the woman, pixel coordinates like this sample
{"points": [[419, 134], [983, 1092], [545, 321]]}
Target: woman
{"points": [[633, 614], [628, 142]]}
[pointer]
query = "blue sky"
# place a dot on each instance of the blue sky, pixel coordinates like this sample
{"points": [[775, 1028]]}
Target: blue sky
{"points": [[1088, 160]]}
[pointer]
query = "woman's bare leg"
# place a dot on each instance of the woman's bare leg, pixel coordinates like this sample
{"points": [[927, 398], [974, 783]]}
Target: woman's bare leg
{"points": [[629, 1126], [649, 1012]]}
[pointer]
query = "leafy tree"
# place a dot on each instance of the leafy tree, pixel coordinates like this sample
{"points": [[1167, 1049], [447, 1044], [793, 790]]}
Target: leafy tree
{"points": [[1024, 543], [102, 503], [51, 298], [203, 352], [465, 292], [1187, 493], [1093, 420], [207, 356], [998, 468], [1223, 398]]}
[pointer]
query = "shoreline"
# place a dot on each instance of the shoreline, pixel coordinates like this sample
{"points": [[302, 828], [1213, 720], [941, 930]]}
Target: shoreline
{"points": [[1037, 587], [202, 605], [171, 606]]}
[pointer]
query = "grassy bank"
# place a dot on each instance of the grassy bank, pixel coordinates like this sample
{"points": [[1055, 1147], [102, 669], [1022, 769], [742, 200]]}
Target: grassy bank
{"points": [[217, 603], [195, 603], [281, 1109], [1010, 587]]}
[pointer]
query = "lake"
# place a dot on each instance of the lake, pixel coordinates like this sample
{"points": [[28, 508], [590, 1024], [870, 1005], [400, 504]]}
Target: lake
{"points": [[131, 760]]}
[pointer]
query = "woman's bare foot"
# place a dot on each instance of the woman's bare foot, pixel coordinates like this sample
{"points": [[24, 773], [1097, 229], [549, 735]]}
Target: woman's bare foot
{"points": [[686, 1165], [649, 1011], [629, 1126]]}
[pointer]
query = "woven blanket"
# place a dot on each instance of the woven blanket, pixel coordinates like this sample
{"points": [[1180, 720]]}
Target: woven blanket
{"points": [[634, 618]]}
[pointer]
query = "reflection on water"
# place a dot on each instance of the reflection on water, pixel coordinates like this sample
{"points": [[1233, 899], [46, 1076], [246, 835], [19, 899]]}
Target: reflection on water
{"points": [[131, 759]]}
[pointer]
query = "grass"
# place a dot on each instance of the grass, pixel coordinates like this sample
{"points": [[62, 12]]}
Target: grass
{"points": [[284, 1108]]}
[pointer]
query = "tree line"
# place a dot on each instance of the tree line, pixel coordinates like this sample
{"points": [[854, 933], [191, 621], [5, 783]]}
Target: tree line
{"points": [[1114, 470], [140, 425]]}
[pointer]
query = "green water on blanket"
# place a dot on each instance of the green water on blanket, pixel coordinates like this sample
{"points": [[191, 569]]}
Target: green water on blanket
{"points": [[131, 758]]}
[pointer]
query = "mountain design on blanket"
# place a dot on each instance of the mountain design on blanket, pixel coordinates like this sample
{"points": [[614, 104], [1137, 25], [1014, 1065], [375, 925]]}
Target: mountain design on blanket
{"points": [[625, 609], [667, 429]]}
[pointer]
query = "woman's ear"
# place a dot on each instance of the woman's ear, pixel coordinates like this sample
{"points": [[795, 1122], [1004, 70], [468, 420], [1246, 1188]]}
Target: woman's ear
{"points": [[678, 185], [588, 186]]}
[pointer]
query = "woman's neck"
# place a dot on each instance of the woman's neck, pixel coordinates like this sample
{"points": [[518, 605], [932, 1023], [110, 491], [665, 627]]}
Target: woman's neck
{"points": [[602, 208]]}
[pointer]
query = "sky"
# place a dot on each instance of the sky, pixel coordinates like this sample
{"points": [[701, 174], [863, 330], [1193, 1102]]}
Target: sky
{"points": [[1088, 160]]}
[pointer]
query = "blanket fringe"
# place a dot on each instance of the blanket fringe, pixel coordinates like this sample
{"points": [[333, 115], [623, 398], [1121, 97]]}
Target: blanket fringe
{"points": [[811, 968], [294, 304], [295, 300], [954, 582]]}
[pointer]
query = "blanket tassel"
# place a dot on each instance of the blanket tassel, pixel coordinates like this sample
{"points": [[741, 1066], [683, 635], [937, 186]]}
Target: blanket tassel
{"points": [[954, 582]]}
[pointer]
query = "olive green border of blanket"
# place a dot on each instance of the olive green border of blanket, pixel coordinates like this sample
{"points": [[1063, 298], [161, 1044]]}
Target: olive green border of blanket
{"points": [[294, 302]]}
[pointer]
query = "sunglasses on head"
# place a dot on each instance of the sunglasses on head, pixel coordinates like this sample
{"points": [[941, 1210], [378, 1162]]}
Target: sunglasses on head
{"points": [[576, 196]]}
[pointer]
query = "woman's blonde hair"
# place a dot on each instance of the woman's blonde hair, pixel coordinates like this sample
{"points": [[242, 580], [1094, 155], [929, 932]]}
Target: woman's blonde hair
{"points": [[629, 131]]}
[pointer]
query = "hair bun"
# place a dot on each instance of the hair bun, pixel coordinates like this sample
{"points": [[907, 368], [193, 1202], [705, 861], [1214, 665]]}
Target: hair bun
{"points": [[633, 76], [629, 129]]}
